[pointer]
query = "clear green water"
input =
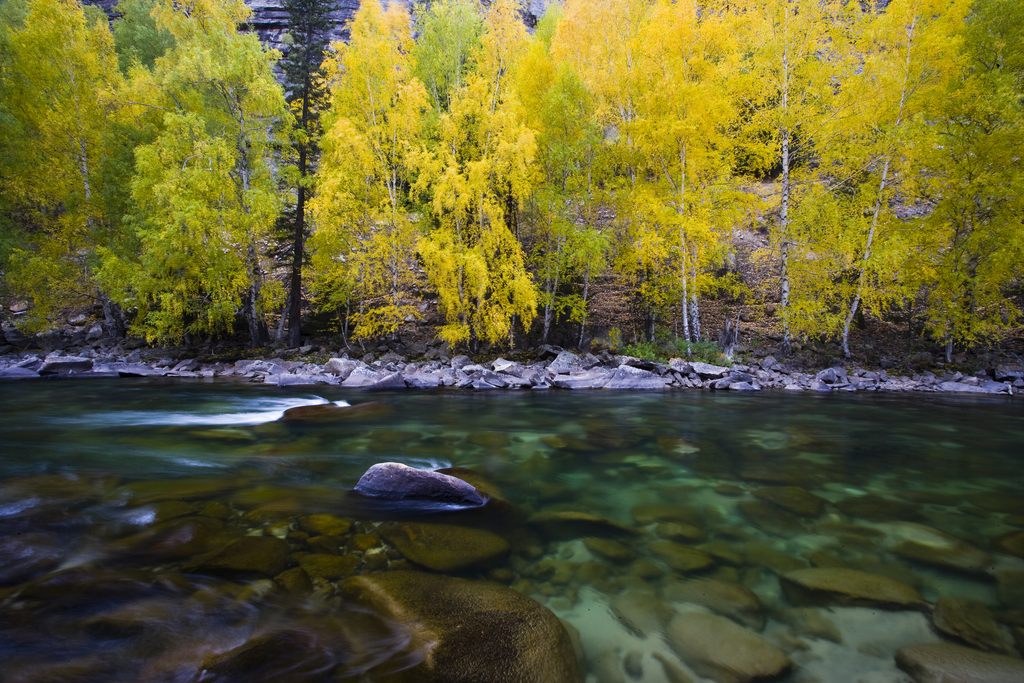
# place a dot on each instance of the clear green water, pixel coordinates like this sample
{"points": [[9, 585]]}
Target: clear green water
{"points": [[87, 470]]}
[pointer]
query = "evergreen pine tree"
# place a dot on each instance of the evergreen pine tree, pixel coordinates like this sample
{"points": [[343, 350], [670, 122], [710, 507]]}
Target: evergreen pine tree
{"points": [[309, 22]]}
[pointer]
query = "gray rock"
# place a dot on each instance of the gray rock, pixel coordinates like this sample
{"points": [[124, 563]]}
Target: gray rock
{"points": [[15, 337], [589, 361], [545, 351], [1003, 373], [962, 388], [135, 370], [832, 375], [459, 362], [95, 332], [396, 481], [591, 379], [565, 363], [285, 380], [508, 367], [18, 373], [65, 365], [363, 376], [627, 377], [423, 379], [948, 663], [634, 362], [706, 371], [681, 366], [392, 380], [743, 386], [341, 367]]}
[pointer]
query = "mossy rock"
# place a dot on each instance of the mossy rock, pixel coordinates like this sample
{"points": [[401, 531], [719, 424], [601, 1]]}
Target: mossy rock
{"points": [[324, 525], [470, 630], [248, 555], [447, 548], [849, 588], [330, 567]]}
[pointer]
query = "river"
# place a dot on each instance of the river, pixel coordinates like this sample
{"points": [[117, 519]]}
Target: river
{"points": [[114, 495]]}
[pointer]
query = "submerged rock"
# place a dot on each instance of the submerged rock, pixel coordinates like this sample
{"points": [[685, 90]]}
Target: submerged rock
{"points": [[811, 622], [724, 651], [468, 630], [1010, 544], [565, 526], [971, 622], [395, 481], [447, 548], [770, 519], [732, 600], [948, 663], [795, 499], [250, 554], [848, 587], [642, 613], [609, 550], [682, 558], [877, 509], [932, 546]]}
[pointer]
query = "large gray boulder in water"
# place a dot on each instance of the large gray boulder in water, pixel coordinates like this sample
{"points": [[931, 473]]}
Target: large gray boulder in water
{"points": [[395, 481]]}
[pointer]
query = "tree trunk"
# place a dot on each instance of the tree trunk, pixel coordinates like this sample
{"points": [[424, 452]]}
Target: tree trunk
{"points": [[299, 237], [114, 317], [784, 210]]}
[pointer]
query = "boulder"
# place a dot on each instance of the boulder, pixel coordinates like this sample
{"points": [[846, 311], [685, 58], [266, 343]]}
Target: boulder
{"points": [[564, 526], [65, 365], [395, 481], [18, 373], [467, 630], [849, 588], [770, 518], [811, 622], [731, 600], [948, 663], [877, 509], [363, 376], [565, 363], [707, 371], [447, 548], [301, 380], [960, 388], [628, 377], [794, 499], [391, 380], [595, 378], [724, 651]]}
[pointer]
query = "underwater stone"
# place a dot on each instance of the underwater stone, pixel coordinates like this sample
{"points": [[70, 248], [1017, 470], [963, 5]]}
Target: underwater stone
{"points": [[932, 546], [446, 548], [474, 631], [850, 588], [724, 651], [948, 663], [250, 554], [610, 550], [732, 600], [795, 499], [971, 622], [396, 481], [642, 613], [682, 558], [565, 526], [330, 567], [1010, 544], [324, 525]]}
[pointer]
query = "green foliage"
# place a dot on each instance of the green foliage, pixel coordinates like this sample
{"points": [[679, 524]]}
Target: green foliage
{"points": [[663, 351], [137, 39], [447, 48]]}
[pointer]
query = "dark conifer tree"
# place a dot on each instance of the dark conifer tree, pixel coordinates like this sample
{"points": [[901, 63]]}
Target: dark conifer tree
{"points": [[309, 24]]}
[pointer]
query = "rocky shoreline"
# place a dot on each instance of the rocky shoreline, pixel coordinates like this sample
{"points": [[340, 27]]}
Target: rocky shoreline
{"points": [[550, 368]]}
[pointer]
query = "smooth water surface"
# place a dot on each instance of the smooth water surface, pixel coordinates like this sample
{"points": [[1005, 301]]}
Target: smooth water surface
{"points": [[111, 493]]}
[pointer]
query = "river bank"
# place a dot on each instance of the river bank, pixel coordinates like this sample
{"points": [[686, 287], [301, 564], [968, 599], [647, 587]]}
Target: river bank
{"points": [[547, 367]]}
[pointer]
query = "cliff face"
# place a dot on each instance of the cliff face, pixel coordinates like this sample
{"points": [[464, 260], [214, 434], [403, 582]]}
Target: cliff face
{"points": [[270, 22]]}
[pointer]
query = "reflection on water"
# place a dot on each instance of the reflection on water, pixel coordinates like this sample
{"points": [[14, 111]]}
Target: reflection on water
{"points": [[166, 532]]}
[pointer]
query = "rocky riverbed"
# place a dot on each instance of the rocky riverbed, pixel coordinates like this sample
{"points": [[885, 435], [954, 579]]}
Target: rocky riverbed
{"points": [[550, 368]]}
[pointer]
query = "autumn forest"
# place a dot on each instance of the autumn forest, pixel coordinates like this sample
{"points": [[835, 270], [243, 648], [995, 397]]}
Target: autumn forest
{"points": [[195, 183]]}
